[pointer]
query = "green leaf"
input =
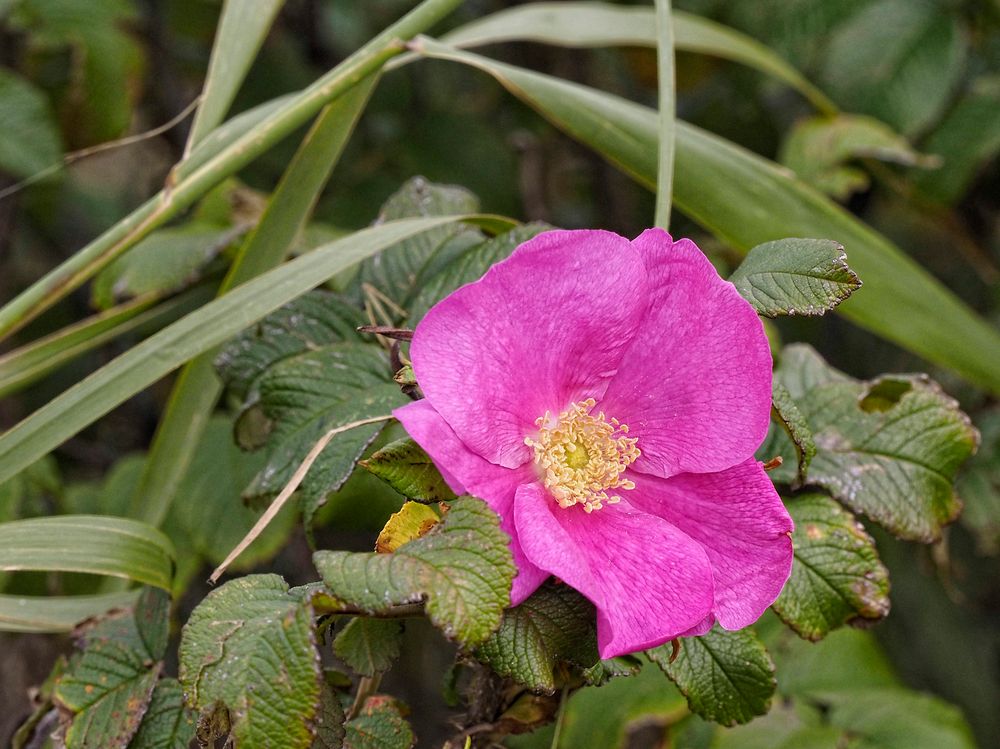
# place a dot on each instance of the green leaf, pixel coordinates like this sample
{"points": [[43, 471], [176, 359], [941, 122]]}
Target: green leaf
{"points": [[462, 569], [330, 730], [200, 331], [405, 467], [316, 319], [898, 61], [899, 719], [837, 577], [396, 272], [889, 448], [108, 690], [23, 494], [727, 677], [667, 108], [164, 262], [308, 395], [594, 24], [787, 413], [369, 646], [379, 725], [967, 139], [56, 613], [469, 266], [412, 521], [979, 487], [552, 627], [251, 646], [88, 543], [818, 150], [746, 200], [30, 140], [168, 722], [795, 277], [241, 31]]}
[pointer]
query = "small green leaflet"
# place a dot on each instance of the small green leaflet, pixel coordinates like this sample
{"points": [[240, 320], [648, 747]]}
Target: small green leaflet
{"points": [[787, 414], [250, 646], [727, 677], [329, 720], [405, 467], [837, 577], [379, 725], [462, 568], [168, 723], [795, 277], [369, 646]]}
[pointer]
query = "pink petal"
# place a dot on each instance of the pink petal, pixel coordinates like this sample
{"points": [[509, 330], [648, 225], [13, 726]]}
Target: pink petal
{"points": [[695, 385], [740, 520], [649, 581], [467, 473], [542, 329]]}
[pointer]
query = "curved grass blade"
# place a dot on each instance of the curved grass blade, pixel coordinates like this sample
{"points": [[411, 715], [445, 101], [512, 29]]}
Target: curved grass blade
{"points": [[746, 200], [56, 613]]}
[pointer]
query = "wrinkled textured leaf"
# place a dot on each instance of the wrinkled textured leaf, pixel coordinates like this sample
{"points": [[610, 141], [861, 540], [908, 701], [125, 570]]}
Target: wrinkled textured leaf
{"points": [[897, 60], [727, 677], [889, 448], [315, 319], [818, 150], [308, 395], [397, 271], [469, 266], [30, 141], [369, 646], [462, 569], [795, 277], [405, 467], [837, 577], [379, 725], [165, 261], [251, 646], [412, 521], [168, 723], [554, 626], [330, 730], [108, 690], [785, 411]]}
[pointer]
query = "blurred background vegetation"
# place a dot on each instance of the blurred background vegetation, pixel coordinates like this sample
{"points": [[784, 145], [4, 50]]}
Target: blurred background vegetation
{"points": [[76, 74]]}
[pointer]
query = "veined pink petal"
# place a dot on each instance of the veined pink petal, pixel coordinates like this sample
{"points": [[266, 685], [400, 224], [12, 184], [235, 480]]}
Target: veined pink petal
{"points": [[542, 329], [695, 385], [467, 473], [649, 581], [740, 520]]}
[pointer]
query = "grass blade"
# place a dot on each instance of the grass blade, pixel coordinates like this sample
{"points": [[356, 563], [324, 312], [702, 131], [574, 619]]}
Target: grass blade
{"points": [[667, 108]]}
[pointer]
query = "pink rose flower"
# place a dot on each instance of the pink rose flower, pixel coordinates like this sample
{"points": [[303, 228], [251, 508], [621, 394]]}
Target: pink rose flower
{"points": [[606, 397]]}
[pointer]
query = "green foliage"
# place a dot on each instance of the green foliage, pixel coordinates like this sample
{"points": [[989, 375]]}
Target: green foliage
{"points": [[889, 448], [554, 627], [250, 646], [795, 277], [837, 577], [405, 467], [787, 414], [819, 150], [727, 677], [379, 725], [307, 395], [462, 569], [168, 722], [368, 646], [979, 487], [164, 262], [329, 720], [30, 140]]}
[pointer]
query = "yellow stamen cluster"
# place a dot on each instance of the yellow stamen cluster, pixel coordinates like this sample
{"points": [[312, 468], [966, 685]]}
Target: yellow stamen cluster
{"points": [[582, 456]]}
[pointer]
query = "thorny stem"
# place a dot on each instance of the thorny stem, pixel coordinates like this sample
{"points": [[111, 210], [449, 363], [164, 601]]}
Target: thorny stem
{"points": [[187, 188]]}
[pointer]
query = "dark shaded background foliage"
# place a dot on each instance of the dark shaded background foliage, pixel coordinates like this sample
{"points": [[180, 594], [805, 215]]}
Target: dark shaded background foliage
{"points": [[112, 67]]}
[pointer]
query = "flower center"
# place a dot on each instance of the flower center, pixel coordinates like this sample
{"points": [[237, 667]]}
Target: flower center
{"points": [[582, 456]]}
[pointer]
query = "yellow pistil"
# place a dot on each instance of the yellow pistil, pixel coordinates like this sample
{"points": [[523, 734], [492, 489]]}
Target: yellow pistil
{"points": [[582, 456]]}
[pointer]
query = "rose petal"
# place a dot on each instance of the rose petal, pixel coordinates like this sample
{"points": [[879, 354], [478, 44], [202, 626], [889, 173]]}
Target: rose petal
{"points": [[695, 385], [648, 580], [542, 329], [467, 473], [740, 520]]}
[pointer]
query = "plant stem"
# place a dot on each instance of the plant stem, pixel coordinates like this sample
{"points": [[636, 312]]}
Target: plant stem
{"points": [[175, 197]]}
